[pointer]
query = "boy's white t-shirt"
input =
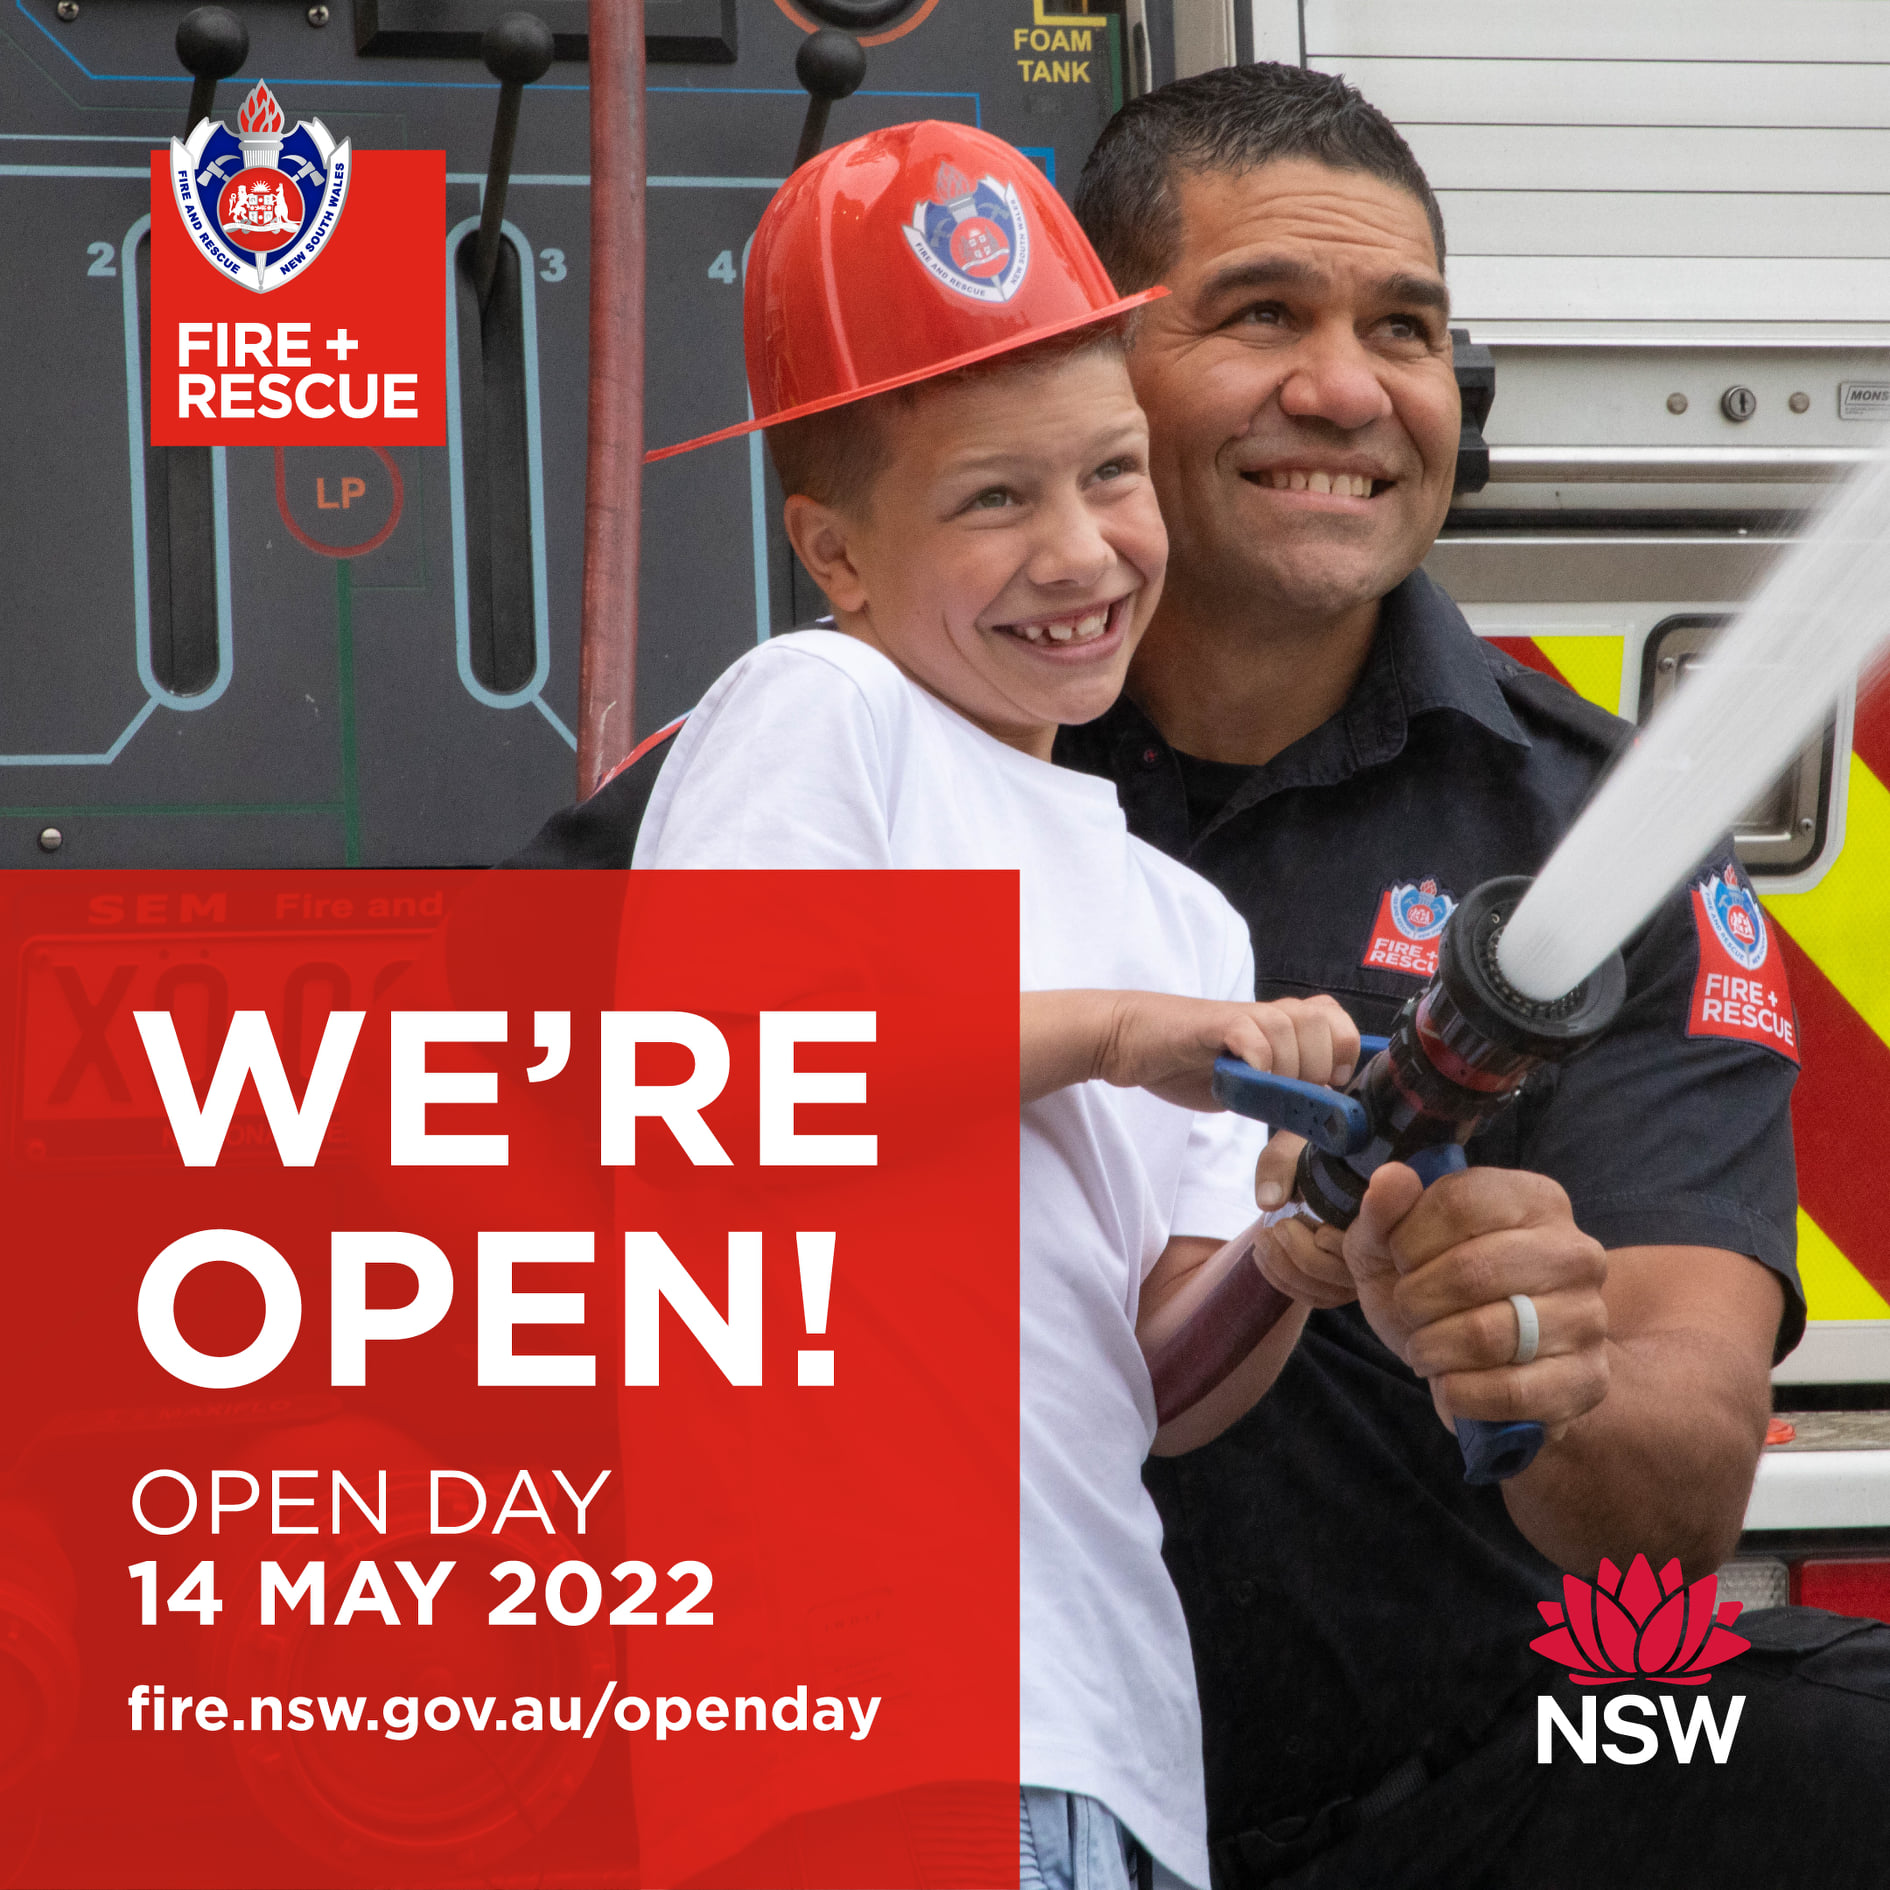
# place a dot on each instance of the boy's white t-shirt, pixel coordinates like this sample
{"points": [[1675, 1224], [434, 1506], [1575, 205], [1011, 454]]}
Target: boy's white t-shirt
{"points": [[816, 751]]}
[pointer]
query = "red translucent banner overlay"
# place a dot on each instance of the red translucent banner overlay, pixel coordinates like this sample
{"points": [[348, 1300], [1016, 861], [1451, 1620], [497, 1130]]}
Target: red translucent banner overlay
{"points": [[509, 1378]]}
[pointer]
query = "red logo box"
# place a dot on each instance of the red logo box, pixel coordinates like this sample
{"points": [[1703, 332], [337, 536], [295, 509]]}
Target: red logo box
{"points": [[293, 367]]}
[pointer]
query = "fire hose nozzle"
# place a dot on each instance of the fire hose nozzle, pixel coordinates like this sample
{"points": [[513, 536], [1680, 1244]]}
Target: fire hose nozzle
{"points": [[1460, 1053]]}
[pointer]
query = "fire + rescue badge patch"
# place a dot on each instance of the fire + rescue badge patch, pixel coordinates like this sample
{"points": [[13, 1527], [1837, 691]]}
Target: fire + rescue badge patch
{"points": [[1411, 919], [1740, 990]]}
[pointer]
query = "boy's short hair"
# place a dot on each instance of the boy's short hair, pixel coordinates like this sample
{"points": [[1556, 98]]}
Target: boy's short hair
{"points": [[836, 456], [1231, 120]]}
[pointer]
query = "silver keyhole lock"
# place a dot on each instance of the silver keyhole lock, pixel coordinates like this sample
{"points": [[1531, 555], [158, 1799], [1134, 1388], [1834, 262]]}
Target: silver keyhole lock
{"points": [[1739, 403]]}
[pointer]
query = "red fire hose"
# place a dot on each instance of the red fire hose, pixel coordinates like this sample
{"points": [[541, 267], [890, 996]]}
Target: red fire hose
{"points": [[613, 481]]}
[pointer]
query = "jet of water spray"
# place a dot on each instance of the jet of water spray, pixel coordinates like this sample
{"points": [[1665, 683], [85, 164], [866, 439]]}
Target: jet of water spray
{"points": [[1766, 687]]}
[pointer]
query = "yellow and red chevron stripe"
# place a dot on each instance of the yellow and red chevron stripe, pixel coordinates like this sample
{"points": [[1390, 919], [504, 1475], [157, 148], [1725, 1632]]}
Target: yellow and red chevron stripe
{"points": [[1836, 940]]}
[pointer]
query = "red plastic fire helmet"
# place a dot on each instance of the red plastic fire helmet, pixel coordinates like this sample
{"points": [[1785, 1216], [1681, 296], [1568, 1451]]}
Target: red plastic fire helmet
{"points": [[903, 255]]}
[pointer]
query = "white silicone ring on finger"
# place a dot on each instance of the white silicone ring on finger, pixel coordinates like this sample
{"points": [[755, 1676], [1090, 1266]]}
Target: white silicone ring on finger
{"points": [[1528, 1329]]}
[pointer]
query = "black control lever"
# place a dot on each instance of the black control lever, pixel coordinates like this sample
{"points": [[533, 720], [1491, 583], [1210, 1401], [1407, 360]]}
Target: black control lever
{"points": [[212, 43], [491, 281], [517, 50], [179, 483], [830, 65]]}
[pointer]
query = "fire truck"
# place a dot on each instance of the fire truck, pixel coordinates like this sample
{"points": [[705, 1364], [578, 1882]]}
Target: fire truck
{"points": [[1665, 266], [1670, 267]]}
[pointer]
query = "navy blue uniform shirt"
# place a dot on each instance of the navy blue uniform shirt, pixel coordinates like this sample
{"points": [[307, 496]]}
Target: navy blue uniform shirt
{"points": [[1352, 1600]]}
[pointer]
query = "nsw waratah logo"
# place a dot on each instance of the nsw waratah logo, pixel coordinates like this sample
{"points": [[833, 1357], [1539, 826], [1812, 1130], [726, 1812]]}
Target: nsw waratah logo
{"points": [[1644, 1627], [261, 201], [1640, 1627]]}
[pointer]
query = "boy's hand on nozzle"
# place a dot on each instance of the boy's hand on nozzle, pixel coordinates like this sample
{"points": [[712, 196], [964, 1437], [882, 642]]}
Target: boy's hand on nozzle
{"points": [[1168, 1044], [1304, 1260], [1276, 1174]]}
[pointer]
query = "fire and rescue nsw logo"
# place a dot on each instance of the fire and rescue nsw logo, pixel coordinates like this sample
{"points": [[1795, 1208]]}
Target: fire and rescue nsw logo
{"points": [[972, 237], [1734, 915], [1411, 919], [260, 203], [1740, 990]]}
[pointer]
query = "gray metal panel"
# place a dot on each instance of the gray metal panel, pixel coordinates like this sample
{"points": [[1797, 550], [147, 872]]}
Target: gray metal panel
{"points": [[1683, 30], [1795, 291], [1274, 29], [1576, 90], [1627, 163], [1547, 569], [1652, 157], [1587, 426], [1675, 465], [1847, 1351], [1204, 36], [1821, 1489], [1673, 227]]}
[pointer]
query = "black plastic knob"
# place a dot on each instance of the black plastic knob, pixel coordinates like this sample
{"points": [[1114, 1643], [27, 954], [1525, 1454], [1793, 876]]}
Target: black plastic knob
{"points": [[212, 43], [830, 64], [517, 48]]}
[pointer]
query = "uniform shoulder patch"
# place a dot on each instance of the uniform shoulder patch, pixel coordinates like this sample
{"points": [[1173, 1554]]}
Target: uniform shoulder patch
{"points": [[1411, 918], [1739, 990], [1546, 700]]}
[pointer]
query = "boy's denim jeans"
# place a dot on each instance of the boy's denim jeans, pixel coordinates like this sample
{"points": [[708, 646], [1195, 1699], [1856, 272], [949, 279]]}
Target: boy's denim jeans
{"points": [[1069, 1842]]}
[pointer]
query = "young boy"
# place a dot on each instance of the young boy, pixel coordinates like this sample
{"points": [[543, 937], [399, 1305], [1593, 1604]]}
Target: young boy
{"points": [[941, 362]]}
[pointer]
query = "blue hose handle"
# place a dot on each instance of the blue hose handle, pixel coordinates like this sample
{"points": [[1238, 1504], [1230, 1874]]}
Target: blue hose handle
{"points": [[1493, 1451], [1328, 1119], [1338, 1124]]}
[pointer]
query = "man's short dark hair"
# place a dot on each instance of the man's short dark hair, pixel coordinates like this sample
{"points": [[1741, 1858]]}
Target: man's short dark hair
{"points": [[1233, 119]]}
